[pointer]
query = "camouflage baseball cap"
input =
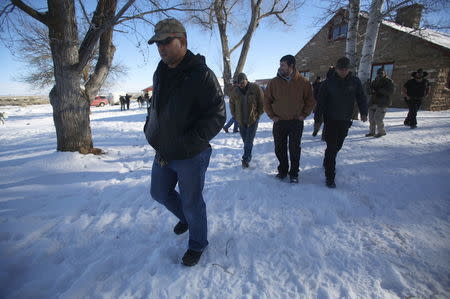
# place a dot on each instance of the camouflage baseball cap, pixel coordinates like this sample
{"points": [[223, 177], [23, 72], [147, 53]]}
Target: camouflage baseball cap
{"points": [[167, 28]]}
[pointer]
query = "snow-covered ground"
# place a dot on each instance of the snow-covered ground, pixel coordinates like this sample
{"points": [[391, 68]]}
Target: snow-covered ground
{"points": [[85, 226]]}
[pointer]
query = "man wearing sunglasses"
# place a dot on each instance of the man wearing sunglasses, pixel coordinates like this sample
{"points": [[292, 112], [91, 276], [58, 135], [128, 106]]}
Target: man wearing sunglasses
{"points": [[186, 112]]}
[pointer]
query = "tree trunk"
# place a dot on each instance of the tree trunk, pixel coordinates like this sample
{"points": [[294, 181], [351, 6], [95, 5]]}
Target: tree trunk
{"points": [[70, 103], [352, 34], [226, 58], [370, 41], [352, 40], [220, 12], [248, 37]]}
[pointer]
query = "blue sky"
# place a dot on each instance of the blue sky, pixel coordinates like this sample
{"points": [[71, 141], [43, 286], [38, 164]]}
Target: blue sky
{"points": [[269, 44]]}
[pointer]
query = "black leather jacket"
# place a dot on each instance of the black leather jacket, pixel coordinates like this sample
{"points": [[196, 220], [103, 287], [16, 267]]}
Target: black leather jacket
{"points": [[337, 98], [187, 109]]}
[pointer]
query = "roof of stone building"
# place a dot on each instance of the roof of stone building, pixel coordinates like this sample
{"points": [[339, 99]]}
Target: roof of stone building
{"points": [[432, 36]]}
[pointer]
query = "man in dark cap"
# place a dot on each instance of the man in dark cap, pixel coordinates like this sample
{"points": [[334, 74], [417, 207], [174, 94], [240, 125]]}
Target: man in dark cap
{"points": [[232, 121], [187, 110], [288, 100], [414, 91], [337, 96], [246, 106], [381, 90]]}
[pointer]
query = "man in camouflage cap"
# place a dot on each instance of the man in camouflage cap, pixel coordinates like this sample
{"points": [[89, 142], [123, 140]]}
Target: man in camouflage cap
{"points": [[186, 112], [168, 28], [166, 31]]}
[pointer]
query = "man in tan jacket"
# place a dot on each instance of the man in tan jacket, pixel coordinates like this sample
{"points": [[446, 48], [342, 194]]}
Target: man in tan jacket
{"points": [[288, 101], [246, 105]]}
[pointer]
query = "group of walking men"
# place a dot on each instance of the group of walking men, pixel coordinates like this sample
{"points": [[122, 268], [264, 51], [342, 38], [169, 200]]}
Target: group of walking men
{"points": [[188, 110], [380, 92], [288, 100]]}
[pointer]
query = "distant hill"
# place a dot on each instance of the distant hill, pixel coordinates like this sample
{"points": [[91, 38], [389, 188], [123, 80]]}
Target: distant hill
{"points": [[23, 100]]}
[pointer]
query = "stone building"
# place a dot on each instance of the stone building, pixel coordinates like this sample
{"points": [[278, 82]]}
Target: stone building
{"points": [[401, 49]]}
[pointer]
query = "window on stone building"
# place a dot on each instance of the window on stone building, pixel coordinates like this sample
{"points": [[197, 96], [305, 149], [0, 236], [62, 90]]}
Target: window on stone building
{"points": [[338, 31], [388, 68], [305, 74]]}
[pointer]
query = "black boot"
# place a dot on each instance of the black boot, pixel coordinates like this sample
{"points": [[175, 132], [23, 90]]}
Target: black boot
{"points": [[180, 228], [281, 176], [330, 183], [191, 257]]}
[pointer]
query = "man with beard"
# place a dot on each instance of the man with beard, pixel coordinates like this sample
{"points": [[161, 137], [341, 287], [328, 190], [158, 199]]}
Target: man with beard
{"points": [[288, 101], [186, 112], [246, 105]]}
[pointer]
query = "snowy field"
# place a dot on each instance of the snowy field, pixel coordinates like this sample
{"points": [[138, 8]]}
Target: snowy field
{"points": [[85, 226]]}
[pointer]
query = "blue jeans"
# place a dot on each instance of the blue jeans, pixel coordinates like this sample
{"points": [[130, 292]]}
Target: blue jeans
{"points": [[188, 204], [248, 135], [231, 122]]}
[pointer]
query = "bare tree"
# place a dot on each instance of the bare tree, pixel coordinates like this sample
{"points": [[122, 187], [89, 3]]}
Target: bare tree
{"points": [[379, 10], [71, 55], [234, 13]]}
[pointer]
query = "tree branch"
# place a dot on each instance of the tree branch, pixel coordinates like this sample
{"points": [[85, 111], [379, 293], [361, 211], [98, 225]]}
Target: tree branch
{"points": [[141, 15], [100, 23], [231, 7], [121, 12], [86, 16], [106, 52], [238, 44], [5, 9], [277, 13], [43, 18]]}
